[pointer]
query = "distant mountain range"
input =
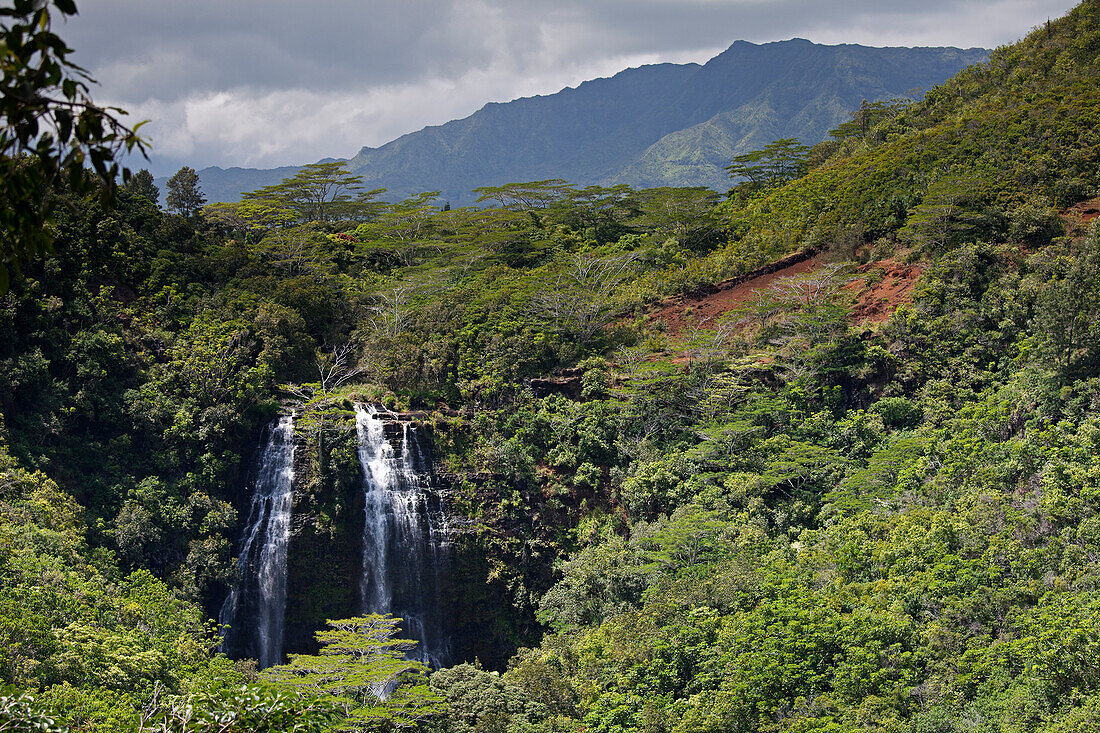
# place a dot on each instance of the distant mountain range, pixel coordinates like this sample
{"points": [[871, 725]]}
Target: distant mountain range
{"points": [[659, 125]]}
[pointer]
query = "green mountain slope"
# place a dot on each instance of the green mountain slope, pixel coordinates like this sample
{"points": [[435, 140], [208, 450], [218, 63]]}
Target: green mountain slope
{"points": [[1022, 125], [793, 89]]}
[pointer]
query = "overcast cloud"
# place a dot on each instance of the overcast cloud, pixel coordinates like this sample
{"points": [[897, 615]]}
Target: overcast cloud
{"points": [[263, 83]]}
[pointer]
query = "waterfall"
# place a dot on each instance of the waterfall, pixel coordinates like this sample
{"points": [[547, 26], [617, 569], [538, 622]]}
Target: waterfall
{"points": [[257, 605], [405, 536]]}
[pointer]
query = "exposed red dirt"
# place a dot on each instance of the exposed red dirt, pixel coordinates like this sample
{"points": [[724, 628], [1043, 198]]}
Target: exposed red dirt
{"points": [[876, 303], [891, 285], [1084, 212], [678, 312]]}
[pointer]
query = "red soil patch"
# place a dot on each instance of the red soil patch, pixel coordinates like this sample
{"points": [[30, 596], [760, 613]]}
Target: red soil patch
{"points": [[892, 286], [708, 304], [875, 304], [1083, 212]]}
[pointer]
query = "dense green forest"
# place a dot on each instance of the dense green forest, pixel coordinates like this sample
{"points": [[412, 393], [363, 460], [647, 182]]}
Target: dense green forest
{"points": [[784, 517]]}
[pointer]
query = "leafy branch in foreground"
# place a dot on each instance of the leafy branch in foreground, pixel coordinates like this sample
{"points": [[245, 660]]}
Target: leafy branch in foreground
{"points": [[49, 127], [20, 712]]}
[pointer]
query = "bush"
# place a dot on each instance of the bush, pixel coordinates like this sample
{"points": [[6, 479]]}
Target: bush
{"points": [[1034, 223], [898, 413]]}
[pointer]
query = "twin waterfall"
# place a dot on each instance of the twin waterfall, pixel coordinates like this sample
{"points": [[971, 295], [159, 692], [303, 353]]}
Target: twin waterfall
{"points": [[404, 543], [258, 604], [404, 536]]}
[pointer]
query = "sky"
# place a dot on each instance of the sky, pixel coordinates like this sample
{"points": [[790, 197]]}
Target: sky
{"points": [[264, 83]]}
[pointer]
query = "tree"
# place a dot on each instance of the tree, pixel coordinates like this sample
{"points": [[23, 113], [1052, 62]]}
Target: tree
{"points": [[1066, 305], [603, 213], [945, 213], [684, 213], [296, 250], [598, 582], [778, 162], [392, 312], [49, 129], [484, 701], [867, 117], [817, 287], [363, 668], [320, 192], [798, 466], [691, 535], [580, 303], [402, 227], [184, 193], [141, 184], [530, 196], [337, 365]]}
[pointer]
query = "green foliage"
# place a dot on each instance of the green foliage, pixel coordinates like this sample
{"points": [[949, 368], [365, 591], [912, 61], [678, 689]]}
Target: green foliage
{"points": [[779, 518], [776, 163], [898, 412], [481, 701], [95, 644], [362, 670], [1064, 309], [239, 709], [601, 581], [22, 714], [184, 193], [50, 129]]}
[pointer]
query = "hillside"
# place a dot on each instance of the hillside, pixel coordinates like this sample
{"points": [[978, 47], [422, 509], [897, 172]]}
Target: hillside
{"points": [[821, 455], [660, 125]]}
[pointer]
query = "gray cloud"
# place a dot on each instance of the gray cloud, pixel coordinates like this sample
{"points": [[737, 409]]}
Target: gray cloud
{"points": [[271, 82]]}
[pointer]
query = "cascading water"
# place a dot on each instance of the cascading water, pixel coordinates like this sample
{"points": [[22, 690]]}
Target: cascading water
{"points": [[405, 537], [255, 610]]}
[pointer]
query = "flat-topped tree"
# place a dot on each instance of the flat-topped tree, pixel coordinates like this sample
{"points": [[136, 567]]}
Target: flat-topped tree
{"points": [[400, 228], [605, 211], [687, 214], [529, 196], [778, 162], [321, 192], [867, 117]]}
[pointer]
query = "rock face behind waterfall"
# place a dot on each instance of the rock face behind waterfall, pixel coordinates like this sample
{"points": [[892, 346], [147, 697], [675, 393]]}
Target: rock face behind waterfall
{"points": [[406, 541], [255, 610]]}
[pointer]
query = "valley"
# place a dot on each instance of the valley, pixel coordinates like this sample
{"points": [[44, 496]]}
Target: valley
{"points": [[579, 452]]}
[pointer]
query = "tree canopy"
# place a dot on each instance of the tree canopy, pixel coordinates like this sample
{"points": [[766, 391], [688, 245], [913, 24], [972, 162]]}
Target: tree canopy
{"points": [[776, 163]]}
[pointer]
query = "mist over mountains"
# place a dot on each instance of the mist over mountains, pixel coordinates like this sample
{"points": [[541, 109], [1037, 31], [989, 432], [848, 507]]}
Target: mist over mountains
{"points": [[657, 125]]}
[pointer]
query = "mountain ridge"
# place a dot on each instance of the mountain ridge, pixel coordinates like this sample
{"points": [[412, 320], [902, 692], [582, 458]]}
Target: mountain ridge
{"points": [[642, 126]]}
